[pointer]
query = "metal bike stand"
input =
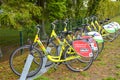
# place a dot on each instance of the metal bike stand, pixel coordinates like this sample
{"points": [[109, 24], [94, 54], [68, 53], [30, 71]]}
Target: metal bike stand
{"points": [[42, 71], [26, 67]]}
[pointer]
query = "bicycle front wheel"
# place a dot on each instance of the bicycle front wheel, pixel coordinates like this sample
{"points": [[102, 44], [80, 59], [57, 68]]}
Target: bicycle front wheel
{"points": [[76, 64], [18, 59], [100, 46]]}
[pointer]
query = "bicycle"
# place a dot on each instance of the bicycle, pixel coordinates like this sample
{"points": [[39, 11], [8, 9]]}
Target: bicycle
{"points": [[66, 54], [117, 28], [107, 31], [78, 35]]}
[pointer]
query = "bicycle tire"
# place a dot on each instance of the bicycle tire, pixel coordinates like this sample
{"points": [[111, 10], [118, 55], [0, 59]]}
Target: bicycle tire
{"points": [[73, 66], [18, 59], [111, 37], [51, 49], [96, 52], [100, 46]]}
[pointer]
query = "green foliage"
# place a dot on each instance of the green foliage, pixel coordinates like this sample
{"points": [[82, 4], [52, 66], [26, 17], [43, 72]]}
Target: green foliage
{"points": [[42, 78], [103, 8], [19, 14], [55, 9], [75, 9], [92, 6]]}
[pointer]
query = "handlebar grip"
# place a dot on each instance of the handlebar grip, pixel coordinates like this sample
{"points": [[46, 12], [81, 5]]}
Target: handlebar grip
{"points": [[66, 21], [38, 26], [54, 22]]}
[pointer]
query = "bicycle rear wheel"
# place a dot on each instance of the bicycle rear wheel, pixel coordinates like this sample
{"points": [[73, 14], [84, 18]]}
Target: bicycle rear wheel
{"points": [[100, 46], [18, 58], [111, 36], [76, 65]]}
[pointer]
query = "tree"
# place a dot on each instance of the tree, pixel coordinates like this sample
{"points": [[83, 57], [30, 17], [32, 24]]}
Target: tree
{"points": [[92, 7], [103, 8], [19, 14], [74, 8], [51, 10]]}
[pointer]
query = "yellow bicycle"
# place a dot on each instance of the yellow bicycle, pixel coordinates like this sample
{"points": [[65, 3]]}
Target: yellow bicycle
{"points": [[107, 31], [67, 54]]}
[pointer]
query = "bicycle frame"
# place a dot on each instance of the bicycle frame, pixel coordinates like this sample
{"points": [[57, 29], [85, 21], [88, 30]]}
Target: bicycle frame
{"points": [[55, 58], [100, 29]]}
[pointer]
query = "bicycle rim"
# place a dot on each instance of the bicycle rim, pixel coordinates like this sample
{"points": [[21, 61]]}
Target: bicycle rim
{"points": [[18, 59], [100, 46], [111, 37], [76, 65]]}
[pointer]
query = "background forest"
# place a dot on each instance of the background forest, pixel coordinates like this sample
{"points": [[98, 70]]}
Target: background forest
{"points": [[25, 14]]}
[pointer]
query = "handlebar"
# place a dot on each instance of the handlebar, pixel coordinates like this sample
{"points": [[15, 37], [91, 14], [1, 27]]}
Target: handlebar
{"points": [[38, 28], [66, 21], [53, 24]]}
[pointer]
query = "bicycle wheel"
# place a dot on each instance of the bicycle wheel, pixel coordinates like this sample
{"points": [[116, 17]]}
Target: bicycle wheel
{"points": [[111, 37], [76, 65], [18, 59], [95, 51], [100, 46], [51, 48]]}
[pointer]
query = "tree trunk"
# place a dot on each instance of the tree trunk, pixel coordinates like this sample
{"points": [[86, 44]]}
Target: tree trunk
{"points": [[41, 3], [43, 33]]}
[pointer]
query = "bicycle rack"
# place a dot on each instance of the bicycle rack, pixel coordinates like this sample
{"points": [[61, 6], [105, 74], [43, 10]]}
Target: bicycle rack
{"points": [[27, 67]]}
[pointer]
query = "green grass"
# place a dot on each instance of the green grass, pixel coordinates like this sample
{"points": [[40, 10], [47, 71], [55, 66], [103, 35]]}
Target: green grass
{"points": [[85, 74], [118, 74], [51, 70], [117, 19], [42, 78], [10, 37], [118, 66], [109, 78]]}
